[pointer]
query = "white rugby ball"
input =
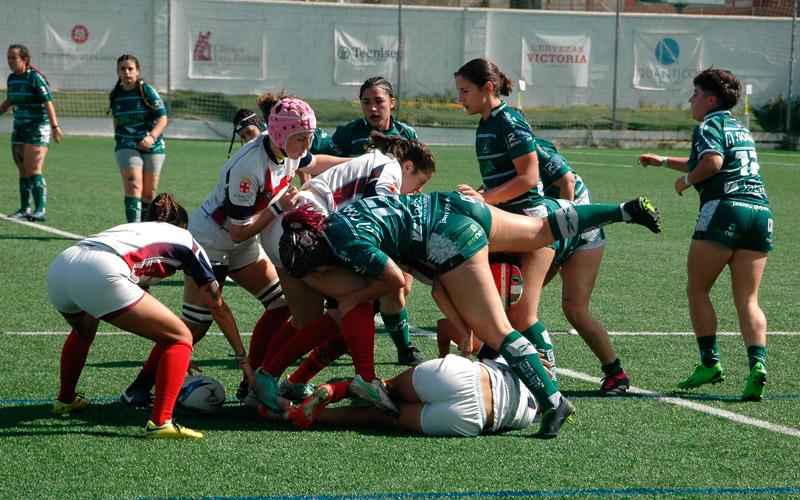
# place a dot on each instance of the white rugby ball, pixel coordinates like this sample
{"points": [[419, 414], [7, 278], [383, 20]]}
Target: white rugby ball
{"points": [[200, 395]]}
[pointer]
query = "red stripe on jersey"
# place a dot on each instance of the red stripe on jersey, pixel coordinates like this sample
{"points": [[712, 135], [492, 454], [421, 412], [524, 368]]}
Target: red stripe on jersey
{"points": [[356, 186]]}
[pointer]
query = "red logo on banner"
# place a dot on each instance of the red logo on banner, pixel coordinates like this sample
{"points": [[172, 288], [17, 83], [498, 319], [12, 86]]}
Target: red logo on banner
{"points": [[80, 34], [202, 47]]}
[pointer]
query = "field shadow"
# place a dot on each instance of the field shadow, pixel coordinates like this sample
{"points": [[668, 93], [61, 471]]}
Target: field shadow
{"points": [[37, 238]]}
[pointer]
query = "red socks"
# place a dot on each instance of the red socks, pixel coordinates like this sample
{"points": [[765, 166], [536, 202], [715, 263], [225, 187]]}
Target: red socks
{"points": [[358, 330], [73, 359], [169, 379], [307, 338], [322, 356], [268, 325], [340, 390]]}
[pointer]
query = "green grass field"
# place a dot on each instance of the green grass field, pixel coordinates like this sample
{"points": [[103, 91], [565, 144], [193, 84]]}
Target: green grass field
{"points": [[656, 443]]}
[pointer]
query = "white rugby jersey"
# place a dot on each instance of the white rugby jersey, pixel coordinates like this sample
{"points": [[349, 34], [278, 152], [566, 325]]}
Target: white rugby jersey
{"points": [[514, 406], [250, 181], [154, 251], [371, 174]]}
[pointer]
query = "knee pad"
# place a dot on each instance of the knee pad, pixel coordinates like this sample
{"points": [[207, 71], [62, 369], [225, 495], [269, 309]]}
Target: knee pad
{"points": [[196, 314], [272, 296]]}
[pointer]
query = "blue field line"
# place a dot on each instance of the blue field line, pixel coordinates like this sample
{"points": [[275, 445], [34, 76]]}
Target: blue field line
{"points": [[699, 397], [542, 493]]}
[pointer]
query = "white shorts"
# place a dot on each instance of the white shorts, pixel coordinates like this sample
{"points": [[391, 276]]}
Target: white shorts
{"points": [[271, 235], [133, 158], [91, 280], [451, 389], [219, 246]]}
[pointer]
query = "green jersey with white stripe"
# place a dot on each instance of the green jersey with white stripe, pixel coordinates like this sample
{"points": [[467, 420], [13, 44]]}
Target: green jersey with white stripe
{"points": [[351, 139], [500, 139], [552, 167], [27, 93], [739, 178], [135, 119]]}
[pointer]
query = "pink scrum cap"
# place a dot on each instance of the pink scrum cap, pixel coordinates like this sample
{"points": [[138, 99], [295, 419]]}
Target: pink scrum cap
{"points": [[290, 116]]}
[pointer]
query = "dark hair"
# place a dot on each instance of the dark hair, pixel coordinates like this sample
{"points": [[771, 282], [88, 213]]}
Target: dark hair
{"points": [[112, 96], [268, 99], [404, 149], [164, 208], [720, 83], [302, 245], [25, 54], [244, 118], [479, 71], [376, 81]]}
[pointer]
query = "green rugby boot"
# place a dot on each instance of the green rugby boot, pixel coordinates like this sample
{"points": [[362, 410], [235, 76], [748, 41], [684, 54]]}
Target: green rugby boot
{"points": [[703, 375], [756, 380]]}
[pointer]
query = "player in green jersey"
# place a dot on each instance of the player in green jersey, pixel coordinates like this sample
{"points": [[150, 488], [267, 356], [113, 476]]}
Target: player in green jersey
{"points": [[34, 122], [377, 101], [734, 228], [509, 165], [140, 118], [357, 254]]}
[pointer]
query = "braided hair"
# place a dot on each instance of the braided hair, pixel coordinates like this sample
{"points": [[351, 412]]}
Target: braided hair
{"points": [[165, 208], [302, 245], [112, 96], [404, 149], [720, 83]]}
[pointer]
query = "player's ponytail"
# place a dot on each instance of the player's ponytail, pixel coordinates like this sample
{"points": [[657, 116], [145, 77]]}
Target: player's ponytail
{"points": [[165, 208], [268, 99], [480, 71], [404, 149]]}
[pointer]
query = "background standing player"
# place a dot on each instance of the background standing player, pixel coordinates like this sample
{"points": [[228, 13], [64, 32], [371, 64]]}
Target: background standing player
{"points": [[34, 121], [140, 118], [734, 228]]}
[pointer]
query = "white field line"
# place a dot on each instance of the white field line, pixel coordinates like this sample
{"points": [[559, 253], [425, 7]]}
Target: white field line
{"points": [[42, 227], [692, 405], [420, 332]]}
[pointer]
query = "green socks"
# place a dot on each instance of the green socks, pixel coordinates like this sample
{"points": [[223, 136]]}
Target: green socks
{"points": [[574, 220], [133, 209], [39, 190], [613, 368], [145, 208], [709, 352], [756, 354], [523, 359], [25, 193], [397, 325], [540, 339]]}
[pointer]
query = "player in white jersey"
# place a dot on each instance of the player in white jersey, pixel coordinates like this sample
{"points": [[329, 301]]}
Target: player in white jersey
{"points": [[102, 277], [450, 396], [393, 166], [251, 187]]}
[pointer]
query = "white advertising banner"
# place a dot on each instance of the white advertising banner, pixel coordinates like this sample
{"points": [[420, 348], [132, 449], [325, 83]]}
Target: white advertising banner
{"points": [[362, 51], [553, 60], [226, 50], [80, 49], [663, 61]]}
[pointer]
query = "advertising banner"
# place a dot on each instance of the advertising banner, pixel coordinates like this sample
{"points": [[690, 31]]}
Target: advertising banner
{"points": [[362, 51], [664, 61], [226, 50], [552, 60]]}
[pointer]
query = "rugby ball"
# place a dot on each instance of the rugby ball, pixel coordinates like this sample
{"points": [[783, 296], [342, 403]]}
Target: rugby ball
{"points": [[508, 280], [200, 395]]}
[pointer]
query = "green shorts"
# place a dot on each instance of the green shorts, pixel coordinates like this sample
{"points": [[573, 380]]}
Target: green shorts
{"points": [[36, 135], [564, 248], [462, 230], [735, 224]]}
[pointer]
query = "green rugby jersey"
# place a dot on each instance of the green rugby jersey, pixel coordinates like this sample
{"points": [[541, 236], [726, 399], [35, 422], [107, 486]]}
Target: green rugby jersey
{"points": [[552, 167], [135, 119], [739, 177], [366, 233], [27, 93], [501, 138], [320, 142], [352, 139]]}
